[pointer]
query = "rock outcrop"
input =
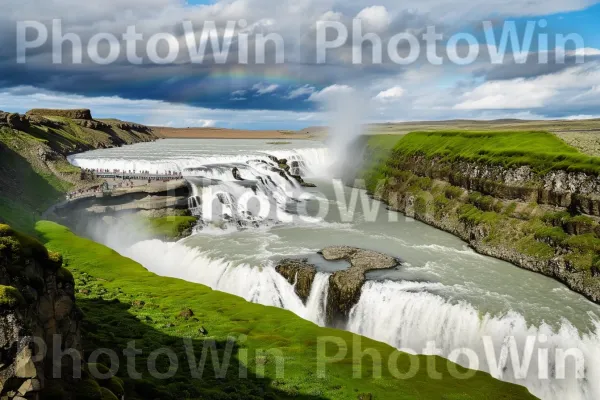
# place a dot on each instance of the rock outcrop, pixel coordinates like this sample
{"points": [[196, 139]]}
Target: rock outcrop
{"points": [[578, 191], [14, 121], [37, 299], [82, 113], [300, 274], [344, 286]]}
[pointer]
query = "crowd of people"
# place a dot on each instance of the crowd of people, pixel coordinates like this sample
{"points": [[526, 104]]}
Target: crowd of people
{"points": [[118, 172], [129, 179]]}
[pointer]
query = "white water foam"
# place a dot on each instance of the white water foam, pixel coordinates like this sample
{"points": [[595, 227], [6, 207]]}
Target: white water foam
{"points": [[315, 159], [406, 316]]}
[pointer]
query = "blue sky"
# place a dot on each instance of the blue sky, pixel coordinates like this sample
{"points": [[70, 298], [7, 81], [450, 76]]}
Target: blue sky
{"points": [[299, 92]]}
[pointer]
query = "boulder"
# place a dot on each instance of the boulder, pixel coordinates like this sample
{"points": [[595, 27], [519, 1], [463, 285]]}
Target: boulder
{"points": [[236, 174], [14, 121]]}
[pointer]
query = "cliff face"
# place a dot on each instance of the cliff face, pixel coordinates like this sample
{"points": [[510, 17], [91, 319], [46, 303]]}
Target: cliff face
{"points": [[37, 299], [576, 191], [544, 222]]}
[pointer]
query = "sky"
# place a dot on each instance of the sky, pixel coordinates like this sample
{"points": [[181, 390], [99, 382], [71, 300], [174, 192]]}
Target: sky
{"points": [[298, 92]]}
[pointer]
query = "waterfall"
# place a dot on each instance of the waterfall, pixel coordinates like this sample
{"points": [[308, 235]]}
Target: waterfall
{"points": [[316, 159], [257, 284], [406, 316]]}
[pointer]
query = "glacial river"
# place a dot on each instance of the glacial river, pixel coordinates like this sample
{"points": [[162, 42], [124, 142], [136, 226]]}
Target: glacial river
{"points": [[443, 293]]}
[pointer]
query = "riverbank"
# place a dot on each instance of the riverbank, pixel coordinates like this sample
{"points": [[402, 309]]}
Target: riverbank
{"points": [[524, 197]]}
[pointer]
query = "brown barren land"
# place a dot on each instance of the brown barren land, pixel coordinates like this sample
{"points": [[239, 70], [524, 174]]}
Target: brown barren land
{"points": [[220, 133]]}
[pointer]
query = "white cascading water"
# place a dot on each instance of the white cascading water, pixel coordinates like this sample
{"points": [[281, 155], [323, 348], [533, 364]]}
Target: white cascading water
{"points": [[406, 316], [316, 160], [261, 285]]}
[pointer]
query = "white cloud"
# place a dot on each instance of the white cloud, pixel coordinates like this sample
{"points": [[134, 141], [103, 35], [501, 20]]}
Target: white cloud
{"points": [[331, 92], [586, 51], [376, 18], [513, 94], [202, 123], [263, 88], [575, 85], [390, 94], [300, 92]]}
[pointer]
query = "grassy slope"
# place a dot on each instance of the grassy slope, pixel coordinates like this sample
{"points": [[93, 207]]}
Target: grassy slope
{"points": [[123, 301], [29, 184], [581, 134], [542, 151]]}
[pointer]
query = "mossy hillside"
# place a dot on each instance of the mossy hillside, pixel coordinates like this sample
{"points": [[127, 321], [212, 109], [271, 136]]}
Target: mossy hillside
{"points": [[542, 151], [16, 248], [34, 172], [122, 302]]}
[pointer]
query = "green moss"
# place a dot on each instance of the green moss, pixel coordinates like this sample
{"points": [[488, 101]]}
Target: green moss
{"points": [[53, 390], [172, 227], [534, 248], [453, 192], [10, 297], [107, 394], [583, 243], [115, 385], [510, 209], [472, 215], [421, 204], [64, 275], [55, 260], [556, 218], [6, 230], [88, 389], [552, 235]]}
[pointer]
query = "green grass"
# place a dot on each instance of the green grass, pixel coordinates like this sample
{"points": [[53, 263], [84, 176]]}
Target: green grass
{"points": [[171, 227], [542, 151], [122, 302]]}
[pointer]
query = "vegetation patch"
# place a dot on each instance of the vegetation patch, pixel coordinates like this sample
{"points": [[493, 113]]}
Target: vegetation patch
{"points": [[542, 151], [171, 227], [10, 297]]}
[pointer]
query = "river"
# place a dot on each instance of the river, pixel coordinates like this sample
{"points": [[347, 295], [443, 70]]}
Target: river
{"points": [[443, 293]]}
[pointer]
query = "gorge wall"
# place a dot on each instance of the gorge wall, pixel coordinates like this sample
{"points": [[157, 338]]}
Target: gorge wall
{"points": [[543, 221], [37, 299]]}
